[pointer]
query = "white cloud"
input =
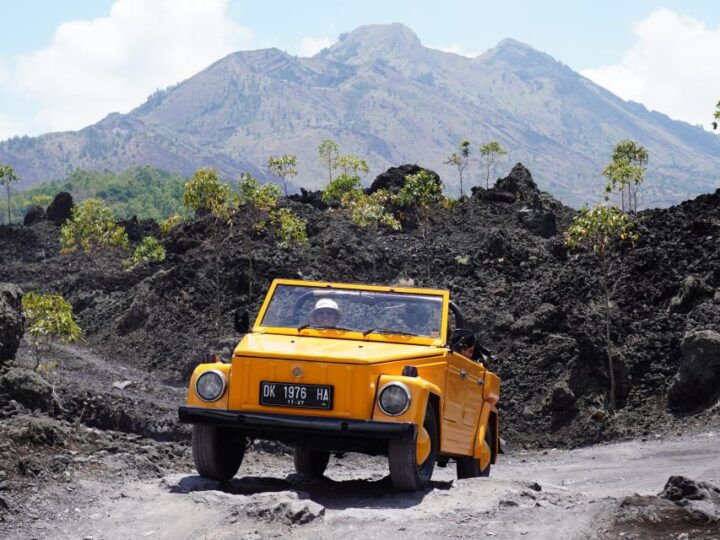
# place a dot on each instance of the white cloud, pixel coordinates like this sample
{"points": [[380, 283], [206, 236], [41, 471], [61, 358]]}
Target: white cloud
{"points": [[672, 67], [309, 46], [94, 67], [458, 49]]}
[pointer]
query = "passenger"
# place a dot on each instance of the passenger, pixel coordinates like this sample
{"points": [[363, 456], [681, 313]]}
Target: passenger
{"points": [[463, 342], [325, 313]]}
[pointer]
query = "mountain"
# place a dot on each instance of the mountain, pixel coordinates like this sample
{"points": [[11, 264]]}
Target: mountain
{"points": [[382, 95]]}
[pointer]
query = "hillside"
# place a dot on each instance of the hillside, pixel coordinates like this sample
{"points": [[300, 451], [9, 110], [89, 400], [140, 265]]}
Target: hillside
{"points": [[381, 94], [499, 253]]}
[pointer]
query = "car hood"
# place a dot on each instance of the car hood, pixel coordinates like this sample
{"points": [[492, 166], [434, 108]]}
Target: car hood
{"points": [[330, 350]]}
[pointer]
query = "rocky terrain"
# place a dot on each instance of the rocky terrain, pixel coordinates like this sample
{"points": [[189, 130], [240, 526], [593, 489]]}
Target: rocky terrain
{"points": [[381, 94], [103, 423]]}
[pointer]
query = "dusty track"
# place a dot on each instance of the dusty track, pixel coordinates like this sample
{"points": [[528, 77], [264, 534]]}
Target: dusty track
{"points": [[578, 492]]}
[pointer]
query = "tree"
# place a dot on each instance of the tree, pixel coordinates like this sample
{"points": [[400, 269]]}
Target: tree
{"points": [[490, 151], [282, 167], [8, 177], [48, 319], [339, 187], [716, 116], [92, 228], [329, 151], [203, 192], [369, 212], [421, 191], [599, 230], [626, 172], [460, 160], [149, 249], [352, 165], [257, 202]]}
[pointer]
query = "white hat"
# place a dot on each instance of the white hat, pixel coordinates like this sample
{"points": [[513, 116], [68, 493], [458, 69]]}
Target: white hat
{"points": [[325, 303]]}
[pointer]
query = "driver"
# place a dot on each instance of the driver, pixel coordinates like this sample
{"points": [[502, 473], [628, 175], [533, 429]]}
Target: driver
{"points": [[325, 313]]}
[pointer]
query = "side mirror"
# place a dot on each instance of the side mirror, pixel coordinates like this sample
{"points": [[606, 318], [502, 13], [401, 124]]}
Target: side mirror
{"points": [[241, 322]]}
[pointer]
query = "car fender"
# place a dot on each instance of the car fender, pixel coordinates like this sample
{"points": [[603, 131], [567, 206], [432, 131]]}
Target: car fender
{"points": [[482, 451], [420, 390], [194, 400]]}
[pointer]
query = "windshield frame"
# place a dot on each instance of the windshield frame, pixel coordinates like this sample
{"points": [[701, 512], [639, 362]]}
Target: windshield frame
{"points": [[352, 334]]}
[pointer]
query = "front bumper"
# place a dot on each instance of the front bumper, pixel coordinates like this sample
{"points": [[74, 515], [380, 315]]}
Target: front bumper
{"points": [[274, 424]]}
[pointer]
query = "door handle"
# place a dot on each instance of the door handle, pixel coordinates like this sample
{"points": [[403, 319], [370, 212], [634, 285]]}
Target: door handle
{"points": [[480, 381], [463, 373]]}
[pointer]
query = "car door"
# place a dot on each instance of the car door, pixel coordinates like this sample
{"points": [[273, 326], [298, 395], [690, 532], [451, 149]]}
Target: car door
{"points": [[456, 432], [474, 381]]}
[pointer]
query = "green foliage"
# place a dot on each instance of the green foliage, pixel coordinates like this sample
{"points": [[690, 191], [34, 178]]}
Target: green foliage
{"points": [[40, 200], [369, 210], [352, 165], [8, 177], [490, 151], [339, 187], [204, 192], [149, 249], [92, 228], [626, 172], [597, 229], [460, 160], [329, 151], [282, 167], [421, 191], [170, 223], [146, 192], [255, 195], [48, 319], [291, 229], [716, 116]]}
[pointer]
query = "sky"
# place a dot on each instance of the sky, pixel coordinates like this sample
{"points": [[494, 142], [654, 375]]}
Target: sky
{"points": [[65, 65]]}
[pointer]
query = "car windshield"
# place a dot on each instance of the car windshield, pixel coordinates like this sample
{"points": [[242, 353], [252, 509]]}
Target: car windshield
{"points": [[369, 312]]}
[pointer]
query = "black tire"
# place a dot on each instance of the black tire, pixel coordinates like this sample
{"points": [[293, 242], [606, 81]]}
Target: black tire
{"points": [[311, 462], [405, 472], [469, 467], [217, 451]]}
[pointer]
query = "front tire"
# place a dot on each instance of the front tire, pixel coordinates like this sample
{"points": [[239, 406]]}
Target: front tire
{"points": [[217, 451], [405, 472], [311, 462]]}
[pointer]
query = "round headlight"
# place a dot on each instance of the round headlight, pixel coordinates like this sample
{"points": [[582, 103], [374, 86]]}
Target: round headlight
{"points": [[210, 385], [394, 399]]}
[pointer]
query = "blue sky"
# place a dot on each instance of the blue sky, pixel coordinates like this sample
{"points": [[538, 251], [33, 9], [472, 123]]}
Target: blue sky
{"points": [[66, 64]]}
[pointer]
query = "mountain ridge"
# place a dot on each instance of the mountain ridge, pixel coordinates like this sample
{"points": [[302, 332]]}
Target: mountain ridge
{"points": [[383, 95]]}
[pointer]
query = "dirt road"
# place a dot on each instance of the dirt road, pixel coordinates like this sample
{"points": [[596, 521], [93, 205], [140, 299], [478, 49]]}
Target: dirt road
{"points": [[549, 494]]}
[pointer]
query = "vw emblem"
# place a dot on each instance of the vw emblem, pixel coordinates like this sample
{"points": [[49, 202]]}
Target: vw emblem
{"points": [[297, 372]]}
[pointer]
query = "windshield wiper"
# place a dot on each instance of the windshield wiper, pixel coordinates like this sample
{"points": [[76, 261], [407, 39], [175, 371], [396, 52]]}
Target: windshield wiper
{"points": [[387, 331], [323, 327]]}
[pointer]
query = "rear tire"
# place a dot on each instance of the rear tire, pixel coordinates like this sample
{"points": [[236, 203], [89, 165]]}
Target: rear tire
{"points": [[405, 472], [311, 462], [469, 467], [217, 451]]}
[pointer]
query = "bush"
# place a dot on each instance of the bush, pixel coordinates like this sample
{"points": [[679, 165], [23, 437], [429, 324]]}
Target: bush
{"points": [[148, 250], [48, 319], [92, 228]]}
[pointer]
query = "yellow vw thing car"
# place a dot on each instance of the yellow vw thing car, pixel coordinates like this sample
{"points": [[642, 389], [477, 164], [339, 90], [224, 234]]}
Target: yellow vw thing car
{"points": [[331, 367]]}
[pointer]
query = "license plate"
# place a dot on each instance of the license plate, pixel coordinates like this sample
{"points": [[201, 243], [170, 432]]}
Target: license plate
{"points": [[310, 396]]}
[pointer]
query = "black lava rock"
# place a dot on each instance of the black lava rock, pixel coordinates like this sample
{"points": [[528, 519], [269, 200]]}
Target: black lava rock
{"points": [[35, 214], [60, 209], [697, 384], [11, 321]]}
